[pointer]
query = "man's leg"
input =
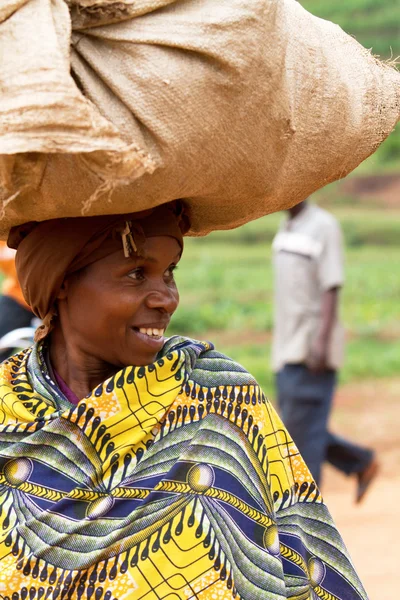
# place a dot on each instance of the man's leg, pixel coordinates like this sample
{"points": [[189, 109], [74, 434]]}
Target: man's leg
{"points": [[346, 456], [353, 460], [304, 401]]}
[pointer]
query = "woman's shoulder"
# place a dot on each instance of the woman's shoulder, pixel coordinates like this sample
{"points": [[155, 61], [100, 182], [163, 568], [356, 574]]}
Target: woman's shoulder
{"points": [[209, 367]]}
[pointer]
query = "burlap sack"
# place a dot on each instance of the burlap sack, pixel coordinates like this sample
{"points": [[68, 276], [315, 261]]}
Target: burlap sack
{"points": [[240, 107]]}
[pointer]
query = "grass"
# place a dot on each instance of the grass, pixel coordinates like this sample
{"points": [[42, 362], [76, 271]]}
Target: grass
{"points": [[226, 287], [360, 226]]}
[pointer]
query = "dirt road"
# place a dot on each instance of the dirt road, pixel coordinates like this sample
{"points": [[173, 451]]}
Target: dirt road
{"points": [[370, 413]]}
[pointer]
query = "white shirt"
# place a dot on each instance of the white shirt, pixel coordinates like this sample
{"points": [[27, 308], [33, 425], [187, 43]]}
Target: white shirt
{"points": [[308, 260]]}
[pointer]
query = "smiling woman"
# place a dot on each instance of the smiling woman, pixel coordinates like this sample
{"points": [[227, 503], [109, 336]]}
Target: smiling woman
{"points": [[134, 466], [114, 312]]}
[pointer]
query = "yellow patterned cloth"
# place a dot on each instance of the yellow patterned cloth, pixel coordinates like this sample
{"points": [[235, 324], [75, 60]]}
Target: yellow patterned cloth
{"points": [[172, 481]]}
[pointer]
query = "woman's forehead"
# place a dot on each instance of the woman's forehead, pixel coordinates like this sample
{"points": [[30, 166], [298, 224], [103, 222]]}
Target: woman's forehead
{"points": [[156, 250]]}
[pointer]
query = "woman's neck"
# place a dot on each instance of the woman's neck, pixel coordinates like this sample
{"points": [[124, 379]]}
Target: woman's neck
{"points": [[80, 372]]}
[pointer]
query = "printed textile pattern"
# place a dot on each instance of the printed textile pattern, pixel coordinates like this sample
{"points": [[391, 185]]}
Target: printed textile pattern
{"points": [[172, 481]]}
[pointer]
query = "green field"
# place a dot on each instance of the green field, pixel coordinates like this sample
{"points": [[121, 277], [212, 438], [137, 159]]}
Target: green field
{"points": [[225, 281], [376, 25]]}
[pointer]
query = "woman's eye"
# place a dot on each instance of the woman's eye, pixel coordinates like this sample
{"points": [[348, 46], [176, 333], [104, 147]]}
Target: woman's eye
{"points": [[169, 273], [136, 274]]}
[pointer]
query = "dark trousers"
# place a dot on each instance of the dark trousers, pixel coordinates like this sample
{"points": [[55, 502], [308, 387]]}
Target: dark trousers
{"points": [[305, 401], [12, 316]]}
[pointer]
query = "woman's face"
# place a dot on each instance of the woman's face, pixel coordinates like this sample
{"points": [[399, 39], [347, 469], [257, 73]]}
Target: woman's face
{"points": [[117, 309]]}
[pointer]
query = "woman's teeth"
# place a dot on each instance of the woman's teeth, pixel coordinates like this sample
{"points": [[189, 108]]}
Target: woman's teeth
{"points": [[151, 332]]}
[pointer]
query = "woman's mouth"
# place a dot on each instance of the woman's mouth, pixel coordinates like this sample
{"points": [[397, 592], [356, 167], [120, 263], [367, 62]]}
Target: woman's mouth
{"points": [[152, 332], [151, 336]]}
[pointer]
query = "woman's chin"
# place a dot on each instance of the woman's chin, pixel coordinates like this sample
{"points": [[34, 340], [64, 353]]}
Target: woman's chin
{"points": [[142, 349]]}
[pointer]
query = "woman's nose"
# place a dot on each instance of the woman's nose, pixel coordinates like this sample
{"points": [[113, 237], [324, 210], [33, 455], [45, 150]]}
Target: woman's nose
{"points": [[163, 297]]}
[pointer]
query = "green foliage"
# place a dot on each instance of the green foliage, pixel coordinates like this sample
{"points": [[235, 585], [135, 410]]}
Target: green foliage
{"points": [[378, 231], [371, 358], [372, 291], [360, 227]]}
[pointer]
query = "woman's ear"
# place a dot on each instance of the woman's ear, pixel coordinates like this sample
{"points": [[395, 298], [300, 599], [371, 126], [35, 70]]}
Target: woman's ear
{"points": [[63, 293]]}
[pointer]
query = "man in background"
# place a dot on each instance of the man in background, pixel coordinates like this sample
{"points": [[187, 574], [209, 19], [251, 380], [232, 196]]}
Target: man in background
{"points": [[308, 340], [14, 311]]}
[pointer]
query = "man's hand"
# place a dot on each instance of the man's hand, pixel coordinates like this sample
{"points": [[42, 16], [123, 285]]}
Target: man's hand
{"points": [[318, 358]]}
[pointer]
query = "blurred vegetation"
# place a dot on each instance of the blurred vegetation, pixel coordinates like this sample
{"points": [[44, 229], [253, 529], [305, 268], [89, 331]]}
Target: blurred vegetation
{"points": [[226, 286], [361, 226], [376, 25]]}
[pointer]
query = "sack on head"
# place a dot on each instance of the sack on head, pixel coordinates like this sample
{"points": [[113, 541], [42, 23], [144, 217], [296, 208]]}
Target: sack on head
{"points": [[239, 107]]}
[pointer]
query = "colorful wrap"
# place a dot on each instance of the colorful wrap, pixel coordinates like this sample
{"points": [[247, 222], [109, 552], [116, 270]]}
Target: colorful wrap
{"points": [[176, 480]]}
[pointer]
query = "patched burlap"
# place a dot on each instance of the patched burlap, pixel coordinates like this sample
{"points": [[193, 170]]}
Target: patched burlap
{"points": [[240, 107]]}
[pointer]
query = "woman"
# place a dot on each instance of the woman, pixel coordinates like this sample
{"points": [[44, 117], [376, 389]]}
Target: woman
{"points": [[138, 467]]}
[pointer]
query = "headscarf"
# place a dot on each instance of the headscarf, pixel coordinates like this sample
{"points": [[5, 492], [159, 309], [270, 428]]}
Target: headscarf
{"points": [[50, 251]]}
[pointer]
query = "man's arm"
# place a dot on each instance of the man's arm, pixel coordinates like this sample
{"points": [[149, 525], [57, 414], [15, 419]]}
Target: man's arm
{"points": [[318, 359]]}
